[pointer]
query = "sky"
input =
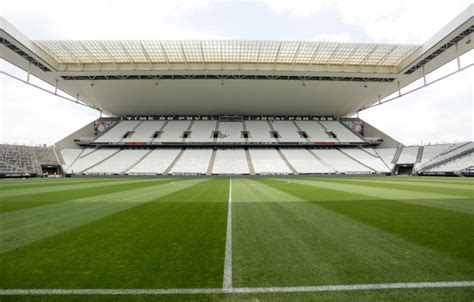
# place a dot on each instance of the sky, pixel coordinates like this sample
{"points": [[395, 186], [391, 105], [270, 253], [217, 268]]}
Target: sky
{"points": [[442, 112]]}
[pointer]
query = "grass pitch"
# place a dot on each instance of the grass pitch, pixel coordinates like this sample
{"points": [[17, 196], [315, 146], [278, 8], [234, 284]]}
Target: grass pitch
{"points": [[286, 233]]}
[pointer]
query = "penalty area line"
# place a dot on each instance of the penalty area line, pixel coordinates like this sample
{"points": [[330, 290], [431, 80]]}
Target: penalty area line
{"points": [[236, 290]]}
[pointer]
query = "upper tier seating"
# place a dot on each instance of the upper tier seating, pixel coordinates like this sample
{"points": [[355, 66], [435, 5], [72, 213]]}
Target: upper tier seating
{"points": [[315, 132], [230, 132], [118, 163], [287, 131], [173, 132], [145, 131], [193, 161], [259, 131], [117, 132], [340, 161], [230, 161], [305, 162], [343, 134], [268, 161], [156, 162], [201, 132]]}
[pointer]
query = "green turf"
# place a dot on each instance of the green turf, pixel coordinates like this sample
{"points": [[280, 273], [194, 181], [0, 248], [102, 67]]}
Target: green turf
{"points": [[171, 233], [14, 203]]}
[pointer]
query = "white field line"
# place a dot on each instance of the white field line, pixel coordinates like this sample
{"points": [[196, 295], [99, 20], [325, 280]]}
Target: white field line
{"points": [[235, 290], [227, 284]]}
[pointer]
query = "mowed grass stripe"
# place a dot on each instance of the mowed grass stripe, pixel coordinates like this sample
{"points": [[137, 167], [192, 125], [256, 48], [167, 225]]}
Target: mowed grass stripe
{"points": [[23, 227], [15, 203], [443, 201], [446, 231], [297, 243], [44, 182], [97, 193], [465, 186], [173, 241], [88, 185], [428, 179], [464, 191]]}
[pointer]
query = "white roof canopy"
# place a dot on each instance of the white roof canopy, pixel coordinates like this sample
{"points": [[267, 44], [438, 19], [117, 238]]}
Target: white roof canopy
{"points": [[226, 51], [231, 76]]}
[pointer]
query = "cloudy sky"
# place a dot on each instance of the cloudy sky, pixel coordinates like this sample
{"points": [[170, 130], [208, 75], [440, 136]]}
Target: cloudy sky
{"points": [[442, 112]]}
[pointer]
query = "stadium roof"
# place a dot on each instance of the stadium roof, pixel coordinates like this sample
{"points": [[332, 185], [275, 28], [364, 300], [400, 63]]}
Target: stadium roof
{"points": [[226, 51], [230, 76]]}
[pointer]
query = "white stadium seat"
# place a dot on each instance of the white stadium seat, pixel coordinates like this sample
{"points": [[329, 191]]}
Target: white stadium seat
{"points": [[287, 131], [304, 162], [259, 132], [268, 161], [118, 163], [340, 161], [117, 132], [367, 158], [201, 132], [230, 161], [343, 134], [230, 132], [145, 131], [315, 132], [408, 155], [91, 157], [156, 162], [173, 131], [193, 161]]}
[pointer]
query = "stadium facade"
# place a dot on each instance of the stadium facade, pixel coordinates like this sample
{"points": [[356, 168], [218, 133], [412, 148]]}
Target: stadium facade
{"points": [[220, 107]]}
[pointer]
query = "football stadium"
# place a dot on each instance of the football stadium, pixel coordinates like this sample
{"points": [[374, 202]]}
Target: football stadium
{"points": [[235, 170]]}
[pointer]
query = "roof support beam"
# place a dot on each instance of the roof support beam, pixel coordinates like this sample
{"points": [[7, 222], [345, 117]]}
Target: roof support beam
{"points": [[293, 60], [258, 55], [202, 55], [145, 53], [165, 54], [276, 57], [184, 55]]}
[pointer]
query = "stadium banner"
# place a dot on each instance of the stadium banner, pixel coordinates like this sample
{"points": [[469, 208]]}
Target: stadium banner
{"points": [[217, 118], [355, 125], [102, 124]]}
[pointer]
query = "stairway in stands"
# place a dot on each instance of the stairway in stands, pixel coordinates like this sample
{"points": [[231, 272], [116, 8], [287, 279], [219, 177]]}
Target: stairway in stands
{"points": [[211, 162], [249, 162], [171, 166]]}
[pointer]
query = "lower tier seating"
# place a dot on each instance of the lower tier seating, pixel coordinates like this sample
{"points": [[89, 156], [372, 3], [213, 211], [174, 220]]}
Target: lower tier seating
{"points": [[230, 161], [268, 161], [263, 161], [193, 161]]}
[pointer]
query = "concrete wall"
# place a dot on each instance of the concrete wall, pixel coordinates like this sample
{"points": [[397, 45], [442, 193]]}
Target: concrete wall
{"points": [[388, 141], [68, 141]]}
